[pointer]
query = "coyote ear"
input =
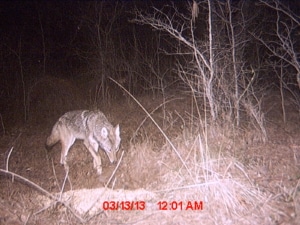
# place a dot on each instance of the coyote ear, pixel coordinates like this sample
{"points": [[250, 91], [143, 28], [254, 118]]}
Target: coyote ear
{"points": [[104, 132], [117, 131]]}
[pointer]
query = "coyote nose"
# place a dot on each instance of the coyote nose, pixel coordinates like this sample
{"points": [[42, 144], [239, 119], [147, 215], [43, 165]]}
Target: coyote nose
{"points": [[112, 157]]}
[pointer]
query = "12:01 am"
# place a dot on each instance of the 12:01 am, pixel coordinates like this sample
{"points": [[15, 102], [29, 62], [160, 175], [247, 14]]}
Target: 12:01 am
{"points": [[179, 205]]}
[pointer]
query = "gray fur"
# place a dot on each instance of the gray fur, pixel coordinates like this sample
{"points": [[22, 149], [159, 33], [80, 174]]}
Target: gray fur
{"points": [[90, 126]]}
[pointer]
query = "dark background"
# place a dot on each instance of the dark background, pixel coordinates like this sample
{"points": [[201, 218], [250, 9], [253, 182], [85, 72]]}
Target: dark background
{"points": [[50, 48]]}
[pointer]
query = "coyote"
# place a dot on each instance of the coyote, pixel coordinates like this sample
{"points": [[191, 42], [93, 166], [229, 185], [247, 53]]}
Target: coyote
{"points": [[90, 126]]}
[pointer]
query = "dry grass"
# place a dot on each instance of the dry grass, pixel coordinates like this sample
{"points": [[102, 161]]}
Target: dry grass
{"points": [[221, 184], [213, 167]]}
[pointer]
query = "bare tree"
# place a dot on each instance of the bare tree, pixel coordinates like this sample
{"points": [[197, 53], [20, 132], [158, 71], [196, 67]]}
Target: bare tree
{"points": [[212, 64], [284, 44], [176, 24]]}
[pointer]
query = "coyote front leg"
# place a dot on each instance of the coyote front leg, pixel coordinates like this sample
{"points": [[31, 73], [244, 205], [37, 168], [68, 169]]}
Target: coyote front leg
{"points": [[93, 146]]}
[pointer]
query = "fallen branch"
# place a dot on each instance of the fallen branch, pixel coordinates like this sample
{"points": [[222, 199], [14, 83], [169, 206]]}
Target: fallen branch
{"points": [[40, 189]]}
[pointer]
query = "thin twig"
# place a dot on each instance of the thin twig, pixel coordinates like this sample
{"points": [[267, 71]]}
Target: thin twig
{"points": [[115, 170], [7, 160], [158, 107], [156, 124], [43, 191], [54, 172], [48, 194], [10, 151], [2, 124], [109, 180], [64, 183]]}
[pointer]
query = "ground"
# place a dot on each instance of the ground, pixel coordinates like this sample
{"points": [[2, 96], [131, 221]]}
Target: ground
{"points": [[269, 168]]}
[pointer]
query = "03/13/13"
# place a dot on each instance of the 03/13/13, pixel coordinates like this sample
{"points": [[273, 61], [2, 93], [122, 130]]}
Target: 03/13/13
{"points": [[162, 205]]}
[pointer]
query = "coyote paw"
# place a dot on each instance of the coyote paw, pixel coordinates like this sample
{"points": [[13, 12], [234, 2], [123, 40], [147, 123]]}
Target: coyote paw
{"points": [[63, 161], [66, 166], [99, 170]]}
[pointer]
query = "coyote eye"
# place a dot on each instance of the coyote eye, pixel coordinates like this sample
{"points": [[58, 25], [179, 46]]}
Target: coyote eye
{"points": [[104, 132]]}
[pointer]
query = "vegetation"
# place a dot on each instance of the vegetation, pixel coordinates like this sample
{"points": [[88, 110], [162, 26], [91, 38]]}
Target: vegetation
{"points": [[201, 74]]}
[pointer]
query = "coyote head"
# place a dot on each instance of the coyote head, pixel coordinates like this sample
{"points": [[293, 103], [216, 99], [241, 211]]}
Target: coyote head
{"points": [[109, 140]]}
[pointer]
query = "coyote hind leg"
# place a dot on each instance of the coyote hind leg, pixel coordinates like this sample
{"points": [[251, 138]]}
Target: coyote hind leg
{"points": [[65, 147]]}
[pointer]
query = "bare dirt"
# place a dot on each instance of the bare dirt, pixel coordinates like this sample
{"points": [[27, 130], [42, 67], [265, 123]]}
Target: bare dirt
{"points": [[273, 167]]}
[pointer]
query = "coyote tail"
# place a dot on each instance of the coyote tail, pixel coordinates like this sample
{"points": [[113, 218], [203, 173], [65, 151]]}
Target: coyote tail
{"points": [[54, 137]]}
